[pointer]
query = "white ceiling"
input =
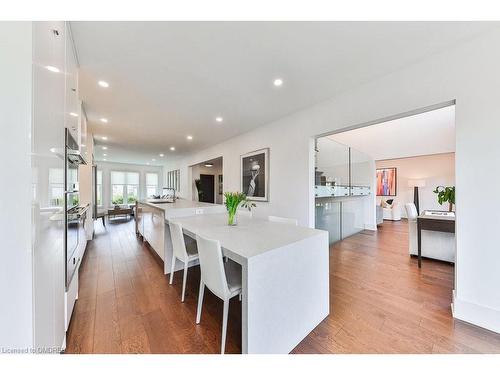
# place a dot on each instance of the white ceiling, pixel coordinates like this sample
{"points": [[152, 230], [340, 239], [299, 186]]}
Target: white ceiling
{"points": [[171, 79], [423, 134]]}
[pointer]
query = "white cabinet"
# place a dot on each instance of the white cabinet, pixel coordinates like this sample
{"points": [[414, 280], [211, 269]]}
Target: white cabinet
{"points": [[47, 135], [72, 104]]}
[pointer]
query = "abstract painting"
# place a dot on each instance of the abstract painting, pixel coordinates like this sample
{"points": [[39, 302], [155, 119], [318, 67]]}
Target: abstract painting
{"points": [[386, 182]]}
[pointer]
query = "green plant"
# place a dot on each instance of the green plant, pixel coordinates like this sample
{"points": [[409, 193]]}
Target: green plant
{"points": [[197, 183], [233, 201], [446, 194], [118, 199]]}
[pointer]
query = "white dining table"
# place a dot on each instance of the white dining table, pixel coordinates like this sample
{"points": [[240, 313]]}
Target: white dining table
{"points": [[285, 277]]}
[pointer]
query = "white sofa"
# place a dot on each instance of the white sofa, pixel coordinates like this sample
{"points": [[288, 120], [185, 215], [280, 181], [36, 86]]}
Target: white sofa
{"points": [[392, 212], [435, 245]]}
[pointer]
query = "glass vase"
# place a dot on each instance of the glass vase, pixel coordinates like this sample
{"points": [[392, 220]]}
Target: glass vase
{"points": [[232, 218]]}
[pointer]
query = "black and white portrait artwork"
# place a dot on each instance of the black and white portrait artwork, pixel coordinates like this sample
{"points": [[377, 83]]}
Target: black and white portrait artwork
{"points": [[255, 175]]}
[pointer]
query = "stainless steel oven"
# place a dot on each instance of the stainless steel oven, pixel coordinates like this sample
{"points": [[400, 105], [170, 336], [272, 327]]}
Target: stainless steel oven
{"points": [[73, 211]]}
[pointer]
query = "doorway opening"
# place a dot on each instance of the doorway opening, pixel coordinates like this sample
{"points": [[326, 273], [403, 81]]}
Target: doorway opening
{"points": [[207, 181], [375, 184]]}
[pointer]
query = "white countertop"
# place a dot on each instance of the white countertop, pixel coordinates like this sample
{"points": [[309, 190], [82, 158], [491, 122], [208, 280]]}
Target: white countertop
{"points": [[179, 203], [250, 238]]}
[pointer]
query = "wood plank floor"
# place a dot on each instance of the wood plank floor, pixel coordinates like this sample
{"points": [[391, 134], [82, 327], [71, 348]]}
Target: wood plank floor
{"points": [[380, 302]]}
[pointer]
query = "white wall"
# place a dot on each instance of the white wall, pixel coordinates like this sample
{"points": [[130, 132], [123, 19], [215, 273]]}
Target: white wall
{"points": [[16, 323], [107, 167], [468, 74], [436, 170]]}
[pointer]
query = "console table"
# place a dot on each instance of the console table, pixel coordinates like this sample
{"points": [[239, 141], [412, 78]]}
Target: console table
{"points": [[438, 221], [120, 212]]}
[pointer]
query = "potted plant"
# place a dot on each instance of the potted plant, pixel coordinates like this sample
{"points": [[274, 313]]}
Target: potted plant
{"points": [[232, 202], [446, 194]]}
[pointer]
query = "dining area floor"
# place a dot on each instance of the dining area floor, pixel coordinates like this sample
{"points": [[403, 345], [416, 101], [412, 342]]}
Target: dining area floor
{"points": [[380, 302]]}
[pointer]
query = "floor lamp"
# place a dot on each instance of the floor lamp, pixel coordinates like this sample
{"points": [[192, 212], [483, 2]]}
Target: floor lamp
{"points": [[415, 184]]}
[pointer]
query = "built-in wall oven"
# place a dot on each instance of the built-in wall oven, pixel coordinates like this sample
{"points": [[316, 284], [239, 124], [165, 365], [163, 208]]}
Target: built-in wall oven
{"points": [[74, 213]]}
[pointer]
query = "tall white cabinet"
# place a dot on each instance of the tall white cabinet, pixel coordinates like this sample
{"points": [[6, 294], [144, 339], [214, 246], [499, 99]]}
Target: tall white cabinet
{"points": [[39, 89]]}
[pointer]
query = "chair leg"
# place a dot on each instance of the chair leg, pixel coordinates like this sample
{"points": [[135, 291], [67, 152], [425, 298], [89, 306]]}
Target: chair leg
{"points": [[184, 279], [172, 270], [200, 302], [224, 326]]}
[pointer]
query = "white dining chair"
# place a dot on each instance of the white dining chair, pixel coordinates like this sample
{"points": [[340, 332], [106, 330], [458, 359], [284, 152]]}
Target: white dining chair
{"points": [[181, 252], [284, 220], [243, 212], [223, 279]]}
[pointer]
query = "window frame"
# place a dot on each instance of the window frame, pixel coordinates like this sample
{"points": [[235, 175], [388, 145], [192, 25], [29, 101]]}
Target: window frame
{"points": [[156, 187], [125, 187]]}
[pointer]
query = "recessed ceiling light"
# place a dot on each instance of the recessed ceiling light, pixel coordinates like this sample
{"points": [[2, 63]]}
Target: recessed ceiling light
{"points": [[172, 148], [52, 69], [278, 82], [209, 165], [219, 119], [104, 120], [104, 154], [104, 159], [162, 155], [153, 159], [147, 163], [189, 137], [104, 148], [103, 84], [104, 138], [53, 149], [73, 114]]}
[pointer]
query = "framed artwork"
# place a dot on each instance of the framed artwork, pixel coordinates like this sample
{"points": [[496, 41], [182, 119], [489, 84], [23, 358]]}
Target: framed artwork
{"points": [[386, 182], [255, 175], [220, 184]]}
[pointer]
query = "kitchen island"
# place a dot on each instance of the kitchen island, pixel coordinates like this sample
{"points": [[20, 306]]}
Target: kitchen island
{"points": [[151, 222], [285, 277]]}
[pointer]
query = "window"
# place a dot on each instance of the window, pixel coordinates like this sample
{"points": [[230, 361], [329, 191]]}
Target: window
{"points": [[151, 184], [99, 188], [124, 187], [56, 187], [174, 179]]}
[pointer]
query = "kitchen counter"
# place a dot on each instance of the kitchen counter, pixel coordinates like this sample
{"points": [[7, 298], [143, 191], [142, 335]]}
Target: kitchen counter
{"points": [[185, 207], [152, 223], [285, 277]]}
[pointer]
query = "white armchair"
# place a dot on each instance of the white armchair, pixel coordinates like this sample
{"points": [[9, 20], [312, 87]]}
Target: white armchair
{"points": [[392, 212], [435, 245]]}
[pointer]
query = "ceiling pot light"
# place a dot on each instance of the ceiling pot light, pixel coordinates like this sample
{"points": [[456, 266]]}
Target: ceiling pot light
{"points": [[73, 114], [219, 119], [104, 159], [189, 137], [103, 84], [104, 148], [278, 82], [153, 159], [104, 138], [104, 120], [52, 69], [104, 154], [172, 148], [162, 155], [208, 165]]}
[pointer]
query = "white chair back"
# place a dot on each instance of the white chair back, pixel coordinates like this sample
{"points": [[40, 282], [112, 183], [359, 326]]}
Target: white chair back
{"points": [[178, 244], [245, 213], [212, 267], [411, 211], [284, 220]]}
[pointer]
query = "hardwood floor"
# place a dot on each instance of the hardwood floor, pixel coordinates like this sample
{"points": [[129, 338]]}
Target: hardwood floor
{"points": [[380, 302]]}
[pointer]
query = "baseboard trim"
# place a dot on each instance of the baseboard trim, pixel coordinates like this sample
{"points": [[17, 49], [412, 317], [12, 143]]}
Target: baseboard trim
{"points": [[479, 315]]}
